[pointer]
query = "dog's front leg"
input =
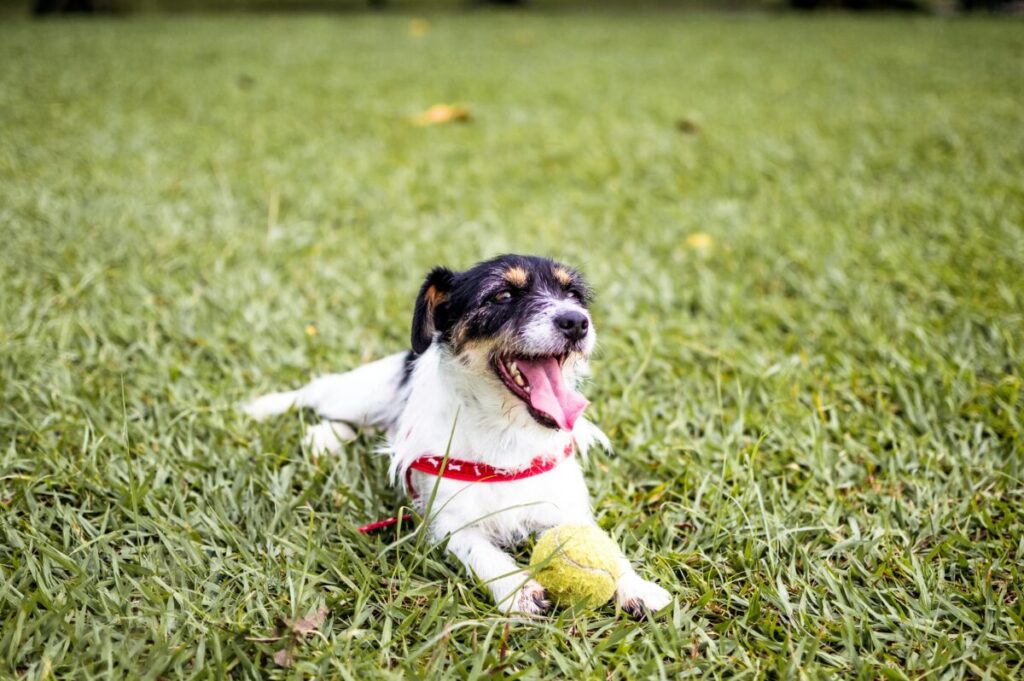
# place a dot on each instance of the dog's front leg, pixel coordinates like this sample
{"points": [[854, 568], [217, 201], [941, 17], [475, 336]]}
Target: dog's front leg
{"points": [[637, 596], [511, 586]]}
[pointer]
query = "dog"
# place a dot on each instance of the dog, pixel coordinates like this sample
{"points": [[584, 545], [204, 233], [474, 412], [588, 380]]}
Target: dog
{"points": [[491, 384]]}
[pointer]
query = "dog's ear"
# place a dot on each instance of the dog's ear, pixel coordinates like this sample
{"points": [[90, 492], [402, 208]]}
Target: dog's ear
{"points": [[433, 294]]}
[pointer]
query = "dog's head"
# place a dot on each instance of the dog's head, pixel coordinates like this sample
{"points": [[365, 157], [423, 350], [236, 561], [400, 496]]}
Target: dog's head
{"points": [[520, 322]]}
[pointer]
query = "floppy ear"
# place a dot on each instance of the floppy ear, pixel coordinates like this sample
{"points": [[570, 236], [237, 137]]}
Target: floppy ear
{"points": [[433, 293]]}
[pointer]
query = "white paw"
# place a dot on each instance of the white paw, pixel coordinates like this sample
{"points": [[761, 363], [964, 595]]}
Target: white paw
{"points": [[529, 599], [269, 405], [328, 437], [639, 597]]}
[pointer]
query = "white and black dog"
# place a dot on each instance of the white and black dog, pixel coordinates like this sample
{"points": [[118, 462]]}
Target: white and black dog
{"points": [[497, 353]]}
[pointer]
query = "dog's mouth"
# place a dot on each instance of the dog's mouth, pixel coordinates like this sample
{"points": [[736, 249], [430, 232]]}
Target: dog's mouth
{"points": [[538, 381]]}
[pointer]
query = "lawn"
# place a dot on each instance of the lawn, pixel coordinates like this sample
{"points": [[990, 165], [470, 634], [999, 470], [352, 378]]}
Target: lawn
{"points": [[807, 238]]}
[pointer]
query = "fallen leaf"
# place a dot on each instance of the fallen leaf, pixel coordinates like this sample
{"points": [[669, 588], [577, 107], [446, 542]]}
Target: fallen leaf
{"points": [[687, 127], [442, 113], [310, 624], [419, 27], [284, 658], [700, 242]]}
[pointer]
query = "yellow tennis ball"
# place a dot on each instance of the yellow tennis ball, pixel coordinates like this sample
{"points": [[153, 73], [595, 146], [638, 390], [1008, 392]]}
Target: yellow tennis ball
{"points": [[577, 565]]}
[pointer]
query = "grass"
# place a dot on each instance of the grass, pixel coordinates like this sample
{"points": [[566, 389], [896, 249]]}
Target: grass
{"points": [[806, 235]]}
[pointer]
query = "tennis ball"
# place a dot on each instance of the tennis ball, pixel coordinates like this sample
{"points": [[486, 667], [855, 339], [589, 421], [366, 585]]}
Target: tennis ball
{"points": [[577, 564]]}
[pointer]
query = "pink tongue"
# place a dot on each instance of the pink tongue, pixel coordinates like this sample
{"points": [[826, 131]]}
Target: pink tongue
{"points": [[549, 394]]}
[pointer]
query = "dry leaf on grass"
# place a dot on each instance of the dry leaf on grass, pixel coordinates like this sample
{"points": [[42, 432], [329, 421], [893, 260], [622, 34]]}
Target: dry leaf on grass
{"points": [[310, 624], [700, 242], [303, 626], [284, 658], [687, 126], [419, 27], [442, 113]]}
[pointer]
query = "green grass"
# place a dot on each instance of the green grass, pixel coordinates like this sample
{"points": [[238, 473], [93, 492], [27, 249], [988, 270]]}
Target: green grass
{"points": [[817, 419]]}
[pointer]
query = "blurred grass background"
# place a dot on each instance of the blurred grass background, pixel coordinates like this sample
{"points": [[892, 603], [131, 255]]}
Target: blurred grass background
{"points": [[546, 6], [806, 236]]}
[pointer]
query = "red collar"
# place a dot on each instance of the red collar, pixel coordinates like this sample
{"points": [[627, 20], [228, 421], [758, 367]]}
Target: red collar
{"points": [[469, 471], [474, 471]]}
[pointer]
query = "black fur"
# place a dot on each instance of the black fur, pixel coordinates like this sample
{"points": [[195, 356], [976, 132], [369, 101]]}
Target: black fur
{"points": [[424, 317], [469, 308], [408, 366]]}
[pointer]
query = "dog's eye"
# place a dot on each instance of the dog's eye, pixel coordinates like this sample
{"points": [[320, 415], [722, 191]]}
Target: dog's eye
{"points": [[570, 293], [502, 297]]}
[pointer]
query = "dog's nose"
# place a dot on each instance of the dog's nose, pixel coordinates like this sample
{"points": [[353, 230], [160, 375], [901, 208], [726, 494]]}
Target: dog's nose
{"points": [[573, 324]]}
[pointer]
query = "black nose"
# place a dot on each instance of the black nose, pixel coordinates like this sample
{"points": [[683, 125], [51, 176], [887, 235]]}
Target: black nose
{"points": [[573, 324]]}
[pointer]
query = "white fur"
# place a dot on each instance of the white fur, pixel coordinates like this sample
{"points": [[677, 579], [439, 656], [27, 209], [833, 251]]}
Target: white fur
{"points": [[541, 334], [458, 401]]}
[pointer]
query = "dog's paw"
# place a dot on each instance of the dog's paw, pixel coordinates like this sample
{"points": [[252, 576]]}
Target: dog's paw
{"points": [[269, 405], [328, 437], [640, 598], [529, 599]]}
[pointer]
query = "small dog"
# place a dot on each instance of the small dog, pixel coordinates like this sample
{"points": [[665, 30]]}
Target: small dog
{"points": [[490, 382]]}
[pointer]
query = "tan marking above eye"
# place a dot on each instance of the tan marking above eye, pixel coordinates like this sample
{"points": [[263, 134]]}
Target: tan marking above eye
{"points": [[517, 276], [562, 275]]}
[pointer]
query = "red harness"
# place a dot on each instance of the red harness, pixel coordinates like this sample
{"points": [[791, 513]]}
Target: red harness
{"points": [[467, 471]]}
